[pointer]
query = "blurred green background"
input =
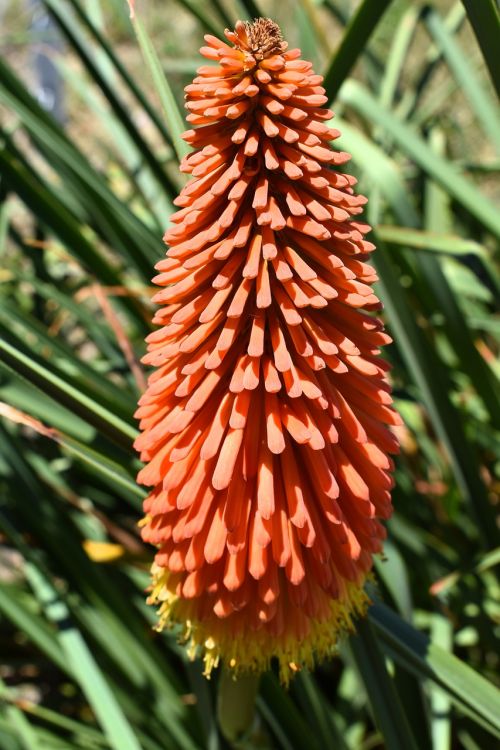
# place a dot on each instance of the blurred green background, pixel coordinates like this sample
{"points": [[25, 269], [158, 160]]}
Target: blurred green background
{"points": [[84, 199]]}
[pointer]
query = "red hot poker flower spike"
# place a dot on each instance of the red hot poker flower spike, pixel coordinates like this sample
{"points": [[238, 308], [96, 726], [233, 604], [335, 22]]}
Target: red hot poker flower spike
{"points": [[265, 424]]}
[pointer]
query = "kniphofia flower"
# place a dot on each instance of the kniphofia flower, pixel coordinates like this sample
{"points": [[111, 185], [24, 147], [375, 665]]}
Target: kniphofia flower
{"points": [[265, 425]]}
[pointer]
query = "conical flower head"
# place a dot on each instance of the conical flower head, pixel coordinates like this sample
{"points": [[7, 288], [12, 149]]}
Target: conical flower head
{"points": [[265, 423]]}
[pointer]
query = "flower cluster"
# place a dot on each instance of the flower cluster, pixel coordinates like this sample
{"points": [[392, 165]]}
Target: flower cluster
{"points": [[265, 425]]}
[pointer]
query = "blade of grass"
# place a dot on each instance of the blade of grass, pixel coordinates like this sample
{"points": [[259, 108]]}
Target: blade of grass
{"points": [[70, 32], [18, 393], [430, 64], [47, 205], [77, 728], [342, 16], [112, 218], [204, 705], [94, 327], [485, 110], [442, 636], [76, 651], [318, 710], [143, 190], [312, 26], [122, 71], [429, 240], [197, 10], [63, 359], [102, 464], [485, 20], [383, 699], [86, 670], [432, 380], [105, 613], [49, 382], [398, 55], [42, 201], [171, 111], [442, 171], [222, 12], [111, 625], [392, 570], [8, 738], [4, 223], [456, 324], [354, 41], [381, 170], [276, 706], [415, 652], [13, 607], [251, 8], [22, 727], [312, 47]]}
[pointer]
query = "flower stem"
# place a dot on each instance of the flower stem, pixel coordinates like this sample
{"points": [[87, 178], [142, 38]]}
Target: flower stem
{"points": [[236, 704]]}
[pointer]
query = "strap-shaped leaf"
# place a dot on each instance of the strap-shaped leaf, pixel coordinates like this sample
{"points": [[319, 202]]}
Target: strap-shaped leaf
{"points": [[353, 43], [415, 652]]}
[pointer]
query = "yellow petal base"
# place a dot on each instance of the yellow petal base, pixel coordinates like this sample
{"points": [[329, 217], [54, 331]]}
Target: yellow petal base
{"points": [[245, 650]]}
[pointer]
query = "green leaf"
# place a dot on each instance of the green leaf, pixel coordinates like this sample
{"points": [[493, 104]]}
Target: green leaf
{"points": [[197, 9], [19, 722], [456, 323], [77, 653], [432, 241], [392, 570], [171, 111], [315, 705], [442, 636], [444, 172], [25, 327], [109, 470], [107, 213], [279, 711], [4, 224], [41, 199], [415, 652], [354, 41], [398, 55], [381, 170], [14, 606], [85, 668], [105, 47], [422, 362], [251, 8], [45, 379], [77, 728], [380, 691], [470, 84], [59, 13], [431, 378], [485, 20]]}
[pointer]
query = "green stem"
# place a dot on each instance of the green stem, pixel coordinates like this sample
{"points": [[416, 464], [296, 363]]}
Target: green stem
{"points": [[236, 704]]}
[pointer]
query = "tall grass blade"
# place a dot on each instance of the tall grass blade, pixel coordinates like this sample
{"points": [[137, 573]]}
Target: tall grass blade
{"points": [[20, 724], [486, 110], [386, 707], [415, 652], [485, 20], [171, 111], [45, 379], [441, 170], [354, 41]]}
